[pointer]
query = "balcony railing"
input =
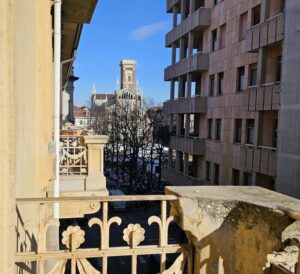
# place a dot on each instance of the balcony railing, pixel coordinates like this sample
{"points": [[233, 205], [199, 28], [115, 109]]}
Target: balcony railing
{"points": [[177, 178], [73, 255], [73, 155], [81, 164], [171, 4], [259, 159], [195, 63], [195, 104], [266, 33], [198, 20], [190, 145], [266, 97]]}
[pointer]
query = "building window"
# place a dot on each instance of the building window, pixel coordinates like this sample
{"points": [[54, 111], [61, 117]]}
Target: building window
{"points": [[216, 174], [253, 75], [211, 85], [256, 15], [235, 177], [274, 134], [241, 78], [218, 129], [278, 69], [221, 83], [238, 131], [216, 2], [247, 179], [208, 171], [214, 40], [250, 131], [222, 42], [243, 26], [209, 128]]}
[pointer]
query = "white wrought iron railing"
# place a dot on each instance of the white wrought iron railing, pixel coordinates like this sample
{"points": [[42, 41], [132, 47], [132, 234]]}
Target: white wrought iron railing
{"points": [[73, 237], [73, 155]]}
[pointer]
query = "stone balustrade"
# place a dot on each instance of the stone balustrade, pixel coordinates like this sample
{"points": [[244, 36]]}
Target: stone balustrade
{"points": [[195, 104], [195, 63], [230, 229], [266, 33], [82, 165], [238, 229]]}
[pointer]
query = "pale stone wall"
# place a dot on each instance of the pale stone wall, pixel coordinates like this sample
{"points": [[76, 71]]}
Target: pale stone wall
{"points": [[7, 132], [25, 110], [232, 229]]}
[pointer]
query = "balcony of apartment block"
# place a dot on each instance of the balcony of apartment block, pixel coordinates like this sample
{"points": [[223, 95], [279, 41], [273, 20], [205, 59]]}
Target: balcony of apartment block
{"points": [[188, 144], [193, 64], [171, 4], [177, 178], [255, 226], [259, 159], [266, 97], [266, 33], [197, 21], [189, 105]]}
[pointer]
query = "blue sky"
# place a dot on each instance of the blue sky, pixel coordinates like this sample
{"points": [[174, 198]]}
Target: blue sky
{"points": [[124, 29]]}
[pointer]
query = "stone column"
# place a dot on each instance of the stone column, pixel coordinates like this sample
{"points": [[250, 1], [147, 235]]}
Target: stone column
{"points": [[183, 9], [190, 43], [187, 125], [186, 164], [174, 16], [192, 6], [96, 180], [173, 53]]}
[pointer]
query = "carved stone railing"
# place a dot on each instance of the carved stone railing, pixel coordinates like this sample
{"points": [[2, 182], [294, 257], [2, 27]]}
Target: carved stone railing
{"points": [[36, 257], [266, 33], [195, 63], [236, 229], [82, 165], [73, 155]]}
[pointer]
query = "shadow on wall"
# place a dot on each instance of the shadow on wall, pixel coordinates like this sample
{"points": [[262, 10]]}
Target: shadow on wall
{"points": [[234, 238]]}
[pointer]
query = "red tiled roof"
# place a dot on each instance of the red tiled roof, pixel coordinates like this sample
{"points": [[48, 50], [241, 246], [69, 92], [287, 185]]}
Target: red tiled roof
{"points": [[79, 111], [103, 96]]}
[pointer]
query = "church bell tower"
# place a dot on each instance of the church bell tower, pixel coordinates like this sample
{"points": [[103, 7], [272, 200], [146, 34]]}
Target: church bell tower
{"points": [[128, 68]]}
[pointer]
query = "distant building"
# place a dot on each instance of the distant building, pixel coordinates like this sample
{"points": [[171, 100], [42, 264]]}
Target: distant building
{"points": [[128, 93], [82, 117]]}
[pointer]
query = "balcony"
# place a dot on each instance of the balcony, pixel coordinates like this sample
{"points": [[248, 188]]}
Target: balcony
{"points": [[177, 178], [171, 4], [261, 160], [190, 145], [198, 20], [81, 165], [193, 64], [266, 33], [262, 98], [254, 226], [196, 104]]}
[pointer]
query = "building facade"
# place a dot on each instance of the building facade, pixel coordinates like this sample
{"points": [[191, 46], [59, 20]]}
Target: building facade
{"points": [[227, 93], [128, 93]]}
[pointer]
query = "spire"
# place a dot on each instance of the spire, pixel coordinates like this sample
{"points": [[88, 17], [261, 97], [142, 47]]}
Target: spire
{"points": [[117, 84], [94, 90]]}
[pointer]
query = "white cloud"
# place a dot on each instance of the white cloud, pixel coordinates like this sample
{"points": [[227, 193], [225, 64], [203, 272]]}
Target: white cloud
{"points": [[146, 31]]}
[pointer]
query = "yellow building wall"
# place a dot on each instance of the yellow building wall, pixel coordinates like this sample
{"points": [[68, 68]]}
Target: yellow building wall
{"points": [[26, 113]]}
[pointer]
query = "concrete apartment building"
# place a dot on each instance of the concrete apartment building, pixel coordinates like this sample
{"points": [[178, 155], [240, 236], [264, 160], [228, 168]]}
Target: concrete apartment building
{"points": [[234, 98]]}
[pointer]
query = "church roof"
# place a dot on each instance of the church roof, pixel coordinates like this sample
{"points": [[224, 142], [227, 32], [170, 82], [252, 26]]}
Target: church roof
{"points": [[103, 96]]}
